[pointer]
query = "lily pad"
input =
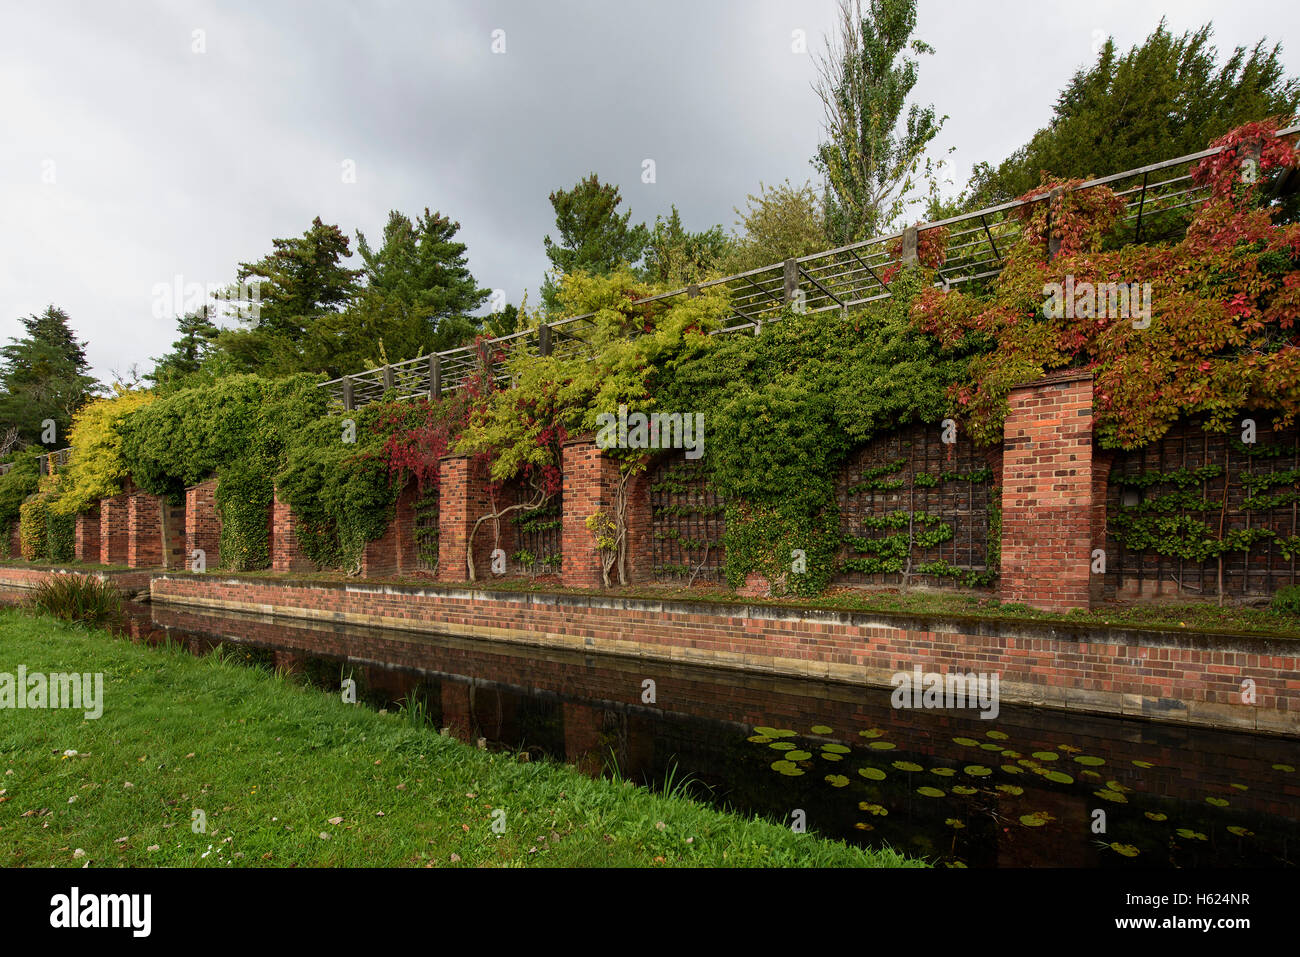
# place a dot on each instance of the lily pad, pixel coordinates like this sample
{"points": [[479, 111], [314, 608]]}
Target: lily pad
{"points": [[1037, 819], [837, 780], [907, 766], [1012, 789], [864, 826], [1011, 755], [870, 733], [1058, 777], [1156, 816], [782, 746], [1067, 748], [1143, 764], [830, 756], [1116, 786], [997, 735], [991, 746], [1046, 755], [875, 809], [954, 823], [1239, 787], [977, 770], [1013, 769], [1241, 831], [798, 755], [785, 767], [872, 774], [759, 738], [1087, 760], [821, 729], [774, 732], [963, 789], [835, 748], [883, 746], [1283, 767], [943, 772], [966, 742], [1188, 833], [1128, 850], [1113, 796], [929, 792], [1216, 801], [955, 864]]}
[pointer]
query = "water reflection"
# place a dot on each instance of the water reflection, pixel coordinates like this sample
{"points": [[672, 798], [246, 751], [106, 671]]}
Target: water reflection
{"points": [[1033, 788]]}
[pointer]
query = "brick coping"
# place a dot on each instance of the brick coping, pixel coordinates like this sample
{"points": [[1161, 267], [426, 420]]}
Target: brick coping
{"points": [[1079, 632]]}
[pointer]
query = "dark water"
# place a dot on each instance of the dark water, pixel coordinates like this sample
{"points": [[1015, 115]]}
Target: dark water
{"points": [[1021, 790]]}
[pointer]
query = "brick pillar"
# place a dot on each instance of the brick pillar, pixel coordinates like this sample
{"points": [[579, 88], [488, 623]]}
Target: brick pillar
{"points": [[203, 522], [1101, 462], [113, 530], [144, 543], [15, 541], [408, 561], [88, 536], [174, 555], [591, 485], [286, 556], [1047, 493], [463, 498]]}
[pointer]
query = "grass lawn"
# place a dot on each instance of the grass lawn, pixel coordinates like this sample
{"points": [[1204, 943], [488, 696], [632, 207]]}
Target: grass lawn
{"points": [[288, 776]]}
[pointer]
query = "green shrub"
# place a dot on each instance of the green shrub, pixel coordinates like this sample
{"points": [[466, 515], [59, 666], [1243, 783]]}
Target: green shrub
{"points": [[33, 526], [80, 599], [17, 484], [1286, 601], [60, 533]]}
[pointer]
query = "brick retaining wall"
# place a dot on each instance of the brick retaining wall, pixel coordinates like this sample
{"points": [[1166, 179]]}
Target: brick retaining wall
{"points": [[1168, 676]]}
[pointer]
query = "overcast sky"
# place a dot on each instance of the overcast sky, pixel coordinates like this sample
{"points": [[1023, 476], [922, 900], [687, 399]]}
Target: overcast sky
{"points": [[128, 159]]}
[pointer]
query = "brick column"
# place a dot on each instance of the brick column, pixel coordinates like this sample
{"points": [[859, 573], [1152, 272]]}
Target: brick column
{"points": [[462, 499], [174, 555], [286, 556], [144, 543], [591, 485], [1047, 493], [88, 536], [408, 561], [203, 522], [15, 541], [113, 530]]}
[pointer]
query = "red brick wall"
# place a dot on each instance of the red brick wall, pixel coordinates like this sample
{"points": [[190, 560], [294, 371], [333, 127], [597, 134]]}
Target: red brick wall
{"points": [[462, 499], [286, 555], [591, 485], [113, 530], [203, 522], [87, 542], [1169, 676], [144, 543], [1047, 494]]}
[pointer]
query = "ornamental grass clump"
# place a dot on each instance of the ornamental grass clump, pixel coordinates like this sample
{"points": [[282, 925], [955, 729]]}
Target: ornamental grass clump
{"points": [[80, 599]]}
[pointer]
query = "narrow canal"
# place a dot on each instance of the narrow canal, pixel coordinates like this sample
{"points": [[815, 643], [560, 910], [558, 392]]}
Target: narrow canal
{"points": [[1030, 788]]}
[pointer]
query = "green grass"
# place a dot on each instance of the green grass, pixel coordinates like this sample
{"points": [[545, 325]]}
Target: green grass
{"points": [[78, 599], [271, 763]]}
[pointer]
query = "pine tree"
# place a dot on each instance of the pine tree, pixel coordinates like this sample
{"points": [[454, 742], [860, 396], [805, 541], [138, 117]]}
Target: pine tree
{"points": [[1162, 99], [594, 237], [43, 376], [198, 335]]}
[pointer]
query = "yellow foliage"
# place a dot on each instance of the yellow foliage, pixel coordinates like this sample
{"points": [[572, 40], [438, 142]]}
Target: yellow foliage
{"points": [[96, 469]]}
